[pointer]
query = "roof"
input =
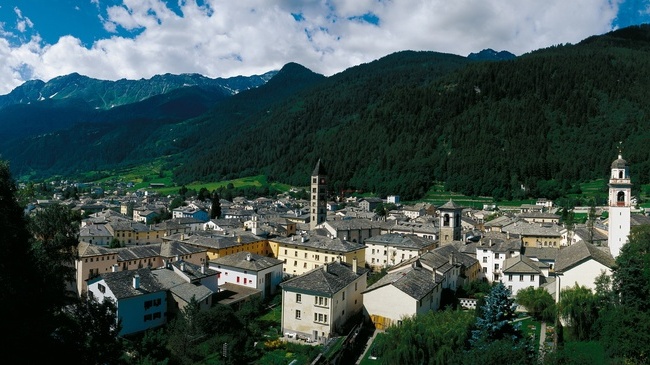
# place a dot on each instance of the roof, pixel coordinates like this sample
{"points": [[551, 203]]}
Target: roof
{"points": [[400, 240], [319, 242], [121, 283], [326, 280], [166, 249], [619, 163], [542, 253], [580, 252], [247, 261], [415, 282], [520, 264], [319, 170], [450, 205], [171, 281]]}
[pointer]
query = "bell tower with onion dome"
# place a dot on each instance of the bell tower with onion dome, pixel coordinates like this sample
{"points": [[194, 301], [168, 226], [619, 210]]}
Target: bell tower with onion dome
{"points": [[620, 205]]}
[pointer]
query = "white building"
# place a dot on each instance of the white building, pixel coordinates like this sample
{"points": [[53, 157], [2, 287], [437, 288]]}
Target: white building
{"points": [[492, 251], [251, 270], [581, 263]]}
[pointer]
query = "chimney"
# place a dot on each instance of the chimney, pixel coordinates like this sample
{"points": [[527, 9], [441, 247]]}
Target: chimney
{"points": [[114, 268], [302, 239], [325, 267], [182, 236], [182, 265], [136, 281], [451, 259], [239, 239], [354, 265], [203, 268], [248, 257], [508, 235]]}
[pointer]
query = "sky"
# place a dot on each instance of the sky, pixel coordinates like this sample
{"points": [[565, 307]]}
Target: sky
{"points": [[134, 39]]}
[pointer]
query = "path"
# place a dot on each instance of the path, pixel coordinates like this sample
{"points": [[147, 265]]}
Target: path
{"points": [[368, 345]]}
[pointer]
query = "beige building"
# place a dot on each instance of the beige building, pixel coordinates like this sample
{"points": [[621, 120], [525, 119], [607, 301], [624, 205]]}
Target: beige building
{"points": [[317, 304], [391, 249]]}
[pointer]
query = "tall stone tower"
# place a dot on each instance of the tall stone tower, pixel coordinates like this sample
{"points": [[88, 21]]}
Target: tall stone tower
{"points": [[450, 227], [318, 208], [620, 205]]}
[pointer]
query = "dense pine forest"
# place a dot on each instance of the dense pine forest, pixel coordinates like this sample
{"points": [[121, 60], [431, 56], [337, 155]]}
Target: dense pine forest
{"points": [[544, 121]]}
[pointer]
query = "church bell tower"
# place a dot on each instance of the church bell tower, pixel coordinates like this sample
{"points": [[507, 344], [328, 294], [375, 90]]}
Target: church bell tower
{"points": [[318, 193], [620, 205]]}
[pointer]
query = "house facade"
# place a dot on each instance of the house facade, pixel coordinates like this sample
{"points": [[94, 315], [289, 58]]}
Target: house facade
{"points": [[317, 304], [392, 248], [252, 270]]}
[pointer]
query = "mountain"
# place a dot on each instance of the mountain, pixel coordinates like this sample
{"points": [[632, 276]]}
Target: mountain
{"points": [[491, 55], [544, 121], [103, 94]]}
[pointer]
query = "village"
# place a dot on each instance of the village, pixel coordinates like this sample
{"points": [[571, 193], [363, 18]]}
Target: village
{"points": [[318, 257]]}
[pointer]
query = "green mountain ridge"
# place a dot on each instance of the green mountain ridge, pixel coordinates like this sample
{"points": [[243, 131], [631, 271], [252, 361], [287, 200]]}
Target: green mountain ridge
{"points": [[544, 121]]}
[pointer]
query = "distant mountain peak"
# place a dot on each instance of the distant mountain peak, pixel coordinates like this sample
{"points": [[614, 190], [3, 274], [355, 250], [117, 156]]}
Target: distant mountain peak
{"points": [[489, 54]]}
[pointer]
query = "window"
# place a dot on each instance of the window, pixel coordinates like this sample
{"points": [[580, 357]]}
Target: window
{"points": [[298, 298], [485, 269], [296, 253], [496, 266], [297, 313], [343, 296], [496, 256], [532, 278], [485, 259], [510, 277], [102, 289], [521, 278]]}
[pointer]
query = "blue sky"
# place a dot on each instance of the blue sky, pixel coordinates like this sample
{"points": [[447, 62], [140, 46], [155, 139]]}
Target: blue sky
{"points": [[133, 39]]}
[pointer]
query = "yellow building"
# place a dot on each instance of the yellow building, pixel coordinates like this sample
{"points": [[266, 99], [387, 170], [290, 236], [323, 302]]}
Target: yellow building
{"points": [[219, 245], [304, 253]]}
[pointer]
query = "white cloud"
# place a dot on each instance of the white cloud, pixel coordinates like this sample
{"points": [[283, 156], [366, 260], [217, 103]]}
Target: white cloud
{"points": [[245, 37]]}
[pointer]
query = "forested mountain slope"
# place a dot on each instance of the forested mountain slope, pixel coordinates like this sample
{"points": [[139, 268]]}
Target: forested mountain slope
{"points": [[544, 120]]}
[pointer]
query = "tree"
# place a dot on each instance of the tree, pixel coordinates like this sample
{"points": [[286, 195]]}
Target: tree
{"points": [[215, 209], [91, 332], [539, 303], [430, 338], [497, 313], [626, 322], [495, 336], [579, 308]]}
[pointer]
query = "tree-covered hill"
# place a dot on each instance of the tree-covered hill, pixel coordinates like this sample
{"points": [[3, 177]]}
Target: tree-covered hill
{"points": [[544, 121]]}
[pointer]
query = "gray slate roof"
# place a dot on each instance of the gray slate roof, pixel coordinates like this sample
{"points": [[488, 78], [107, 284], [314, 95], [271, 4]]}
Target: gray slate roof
{"points": [[121, 283], [171, 281], [400, 240], [416, 282], [325, 282], [520, 265], [241, 260], [322, 243], [580, 252]]}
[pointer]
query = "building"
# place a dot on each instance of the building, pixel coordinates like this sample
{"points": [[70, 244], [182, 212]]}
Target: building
{"points": [[370, 203], [520, 272], [318, 203], [620, 205], [318, 304], [392, 248], [141, 300], [249, 269], [537, 234], [301, 254], [492, 250], [581, 263], [353, 229], [450, 222]]}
